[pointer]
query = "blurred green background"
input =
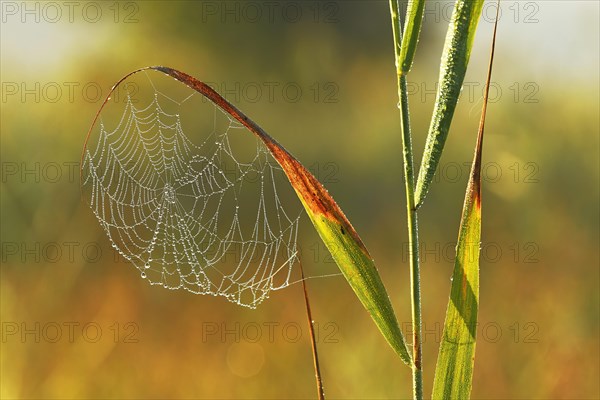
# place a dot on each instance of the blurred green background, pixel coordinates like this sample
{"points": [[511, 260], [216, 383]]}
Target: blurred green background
{"points": [[77, 322]]}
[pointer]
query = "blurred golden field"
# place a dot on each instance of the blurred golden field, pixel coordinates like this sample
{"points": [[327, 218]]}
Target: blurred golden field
{"points": [[77, 320]]}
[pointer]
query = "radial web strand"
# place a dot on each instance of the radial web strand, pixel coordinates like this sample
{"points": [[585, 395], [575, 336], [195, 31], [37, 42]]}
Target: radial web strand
{"points": [[203, 212]]}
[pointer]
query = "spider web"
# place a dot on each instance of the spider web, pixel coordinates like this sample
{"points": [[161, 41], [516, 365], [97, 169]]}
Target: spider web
{"points": [[202, 212]]}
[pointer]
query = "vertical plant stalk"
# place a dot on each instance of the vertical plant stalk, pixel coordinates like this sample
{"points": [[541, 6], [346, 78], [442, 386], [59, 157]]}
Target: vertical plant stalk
{"points": [[313, 342], [411, 211]]}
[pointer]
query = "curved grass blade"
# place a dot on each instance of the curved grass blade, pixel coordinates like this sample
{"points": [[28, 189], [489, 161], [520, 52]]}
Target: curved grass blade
{"points": [[455, 58], [343, 242], [454, 368]]}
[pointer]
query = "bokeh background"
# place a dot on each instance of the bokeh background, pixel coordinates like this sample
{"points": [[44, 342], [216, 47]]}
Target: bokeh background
{"points": [[78, 322]]}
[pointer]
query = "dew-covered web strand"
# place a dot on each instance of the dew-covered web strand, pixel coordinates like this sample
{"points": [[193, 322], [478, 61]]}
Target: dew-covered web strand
{"points": [[169, 205]]}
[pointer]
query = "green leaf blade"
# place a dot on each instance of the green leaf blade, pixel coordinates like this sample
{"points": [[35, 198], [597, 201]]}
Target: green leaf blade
{"points": [[454, 369], [410, 36], [360, 271], [455, 58]]}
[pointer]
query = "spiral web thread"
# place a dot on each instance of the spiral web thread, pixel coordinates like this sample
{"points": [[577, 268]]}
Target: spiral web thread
{"points": [[191, 216]]}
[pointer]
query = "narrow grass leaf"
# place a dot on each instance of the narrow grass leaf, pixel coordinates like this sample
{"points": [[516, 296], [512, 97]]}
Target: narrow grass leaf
{"points": [[358, 268], [455, 58], [343, 242], [454, 369], [410, 37]]}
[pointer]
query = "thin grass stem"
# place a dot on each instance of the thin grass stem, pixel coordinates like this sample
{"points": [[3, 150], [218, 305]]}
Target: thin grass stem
{"points": [[411, 210], [311, 329]]}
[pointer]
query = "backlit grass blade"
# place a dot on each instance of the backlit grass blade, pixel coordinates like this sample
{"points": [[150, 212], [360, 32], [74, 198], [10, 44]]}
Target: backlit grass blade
{"points": [[343, 242], [358, 268], [454, 368], [455, 58], [410, 36]]}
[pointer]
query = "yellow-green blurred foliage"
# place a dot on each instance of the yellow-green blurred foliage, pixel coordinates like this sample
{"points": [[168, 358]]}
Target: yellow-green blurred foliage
{"points": [[77, 324]]}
